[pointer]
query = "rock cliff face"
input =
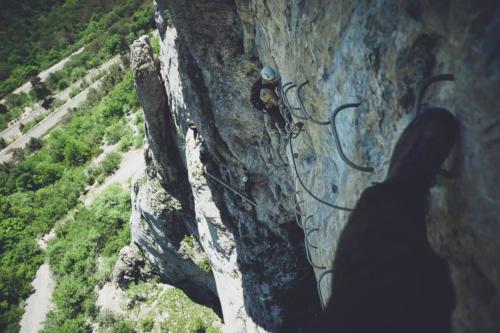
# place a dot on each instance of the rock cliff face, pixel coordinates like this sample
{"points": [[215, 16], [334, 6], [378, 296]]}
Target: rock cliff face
{"points": [[376, 53], [162, 215]]}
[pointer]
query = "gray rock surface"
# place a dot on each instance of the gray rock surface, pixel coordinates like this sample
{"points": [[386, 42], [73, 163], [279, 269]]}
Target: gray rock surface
{"points": [[131, 267], [158, 230], [210, 81], [218, 243], [161, 198], [378, 53]]}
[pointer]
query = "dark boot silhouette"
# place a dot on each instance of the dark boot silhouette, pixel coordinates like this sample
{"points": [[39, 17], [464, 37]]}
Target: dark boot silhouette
{"points": [[386, 278]]}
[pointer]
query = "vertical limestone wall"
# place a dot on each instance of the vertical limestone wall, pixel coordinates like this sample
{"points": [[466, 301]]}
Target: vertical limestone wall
{"points": [[377, 53]]}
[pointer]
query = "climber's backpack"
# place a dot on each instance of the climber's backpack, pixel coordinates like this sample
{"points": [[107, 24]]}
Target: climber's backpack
{"points": [[255, 95]]}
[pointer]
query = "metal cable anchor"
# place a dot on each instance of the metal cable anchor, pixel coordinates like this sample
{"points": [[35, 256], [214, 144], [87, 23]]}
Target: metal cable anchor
{"points": [[337, 140]]}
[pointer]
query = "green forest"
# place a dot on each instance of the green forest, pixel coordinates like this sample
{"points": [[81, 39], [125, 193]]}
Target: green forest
{"points": [[36, 34], [103, 28], [42, 185]]}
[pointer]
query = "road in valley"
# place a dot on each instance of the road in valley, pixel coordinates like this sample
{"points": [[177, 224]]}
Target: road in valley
{"points": [[26, 87], [46, 124], [14, 131]]}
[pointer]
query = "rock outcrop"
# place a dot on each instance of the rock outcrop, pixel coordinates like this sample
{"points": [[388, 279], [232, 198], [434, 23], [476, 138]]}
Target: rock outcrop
{"points": [[131, 267], [376, 53], [217, 242], [162, 218]]}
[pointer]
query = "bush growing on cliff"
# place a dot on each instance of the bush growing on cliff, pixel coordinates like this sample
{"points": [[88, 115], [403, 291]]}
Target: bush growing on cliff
{"points": [[147, 324], [155, 44], [204, 264], [184, 315]]}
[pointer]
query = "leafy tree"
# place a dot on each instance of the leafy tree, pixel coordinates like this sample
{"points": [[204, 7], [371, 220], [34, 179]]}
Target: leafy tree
{"points": [[30, 177], [40, 90], [76, 153], [34, 144], [69, 295], [17, 100], [55, 322], [57, 142]]}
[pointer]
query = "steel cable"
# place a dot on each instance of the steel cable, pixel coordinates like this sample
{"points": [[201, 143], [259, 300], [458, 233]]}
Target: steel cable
{"points": [[308, 255], [307, 238], [331, 121], [303, 109], [307, 244], [423, 88], [305, 187], [296, 216], [287, 111], [337, 140], [230, 188], [290, 128], [322, 301]]}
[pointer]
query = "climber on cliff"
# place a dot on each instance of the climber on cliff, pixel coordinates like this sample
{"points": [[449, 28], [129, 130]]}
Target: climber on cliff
{"points": [[251, 180], [264, 97], [192, 126], [386, 278]]}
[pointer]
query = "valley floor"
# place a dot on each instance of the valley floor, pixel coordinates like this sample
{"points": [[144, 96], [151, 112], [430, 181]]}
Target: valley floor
{"points": [[38, 304]]}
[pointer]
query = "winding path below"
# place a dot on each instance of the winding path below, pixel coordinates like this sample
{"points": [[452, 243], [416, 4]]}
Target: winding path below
{"points": [[38, 304]]}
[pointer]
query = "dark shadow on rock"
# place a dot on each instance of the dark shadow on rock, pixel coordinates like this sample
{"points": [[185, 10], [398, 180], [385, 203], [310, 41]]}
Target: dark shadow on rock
{"points": [[386, 277], [279, 286]]}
